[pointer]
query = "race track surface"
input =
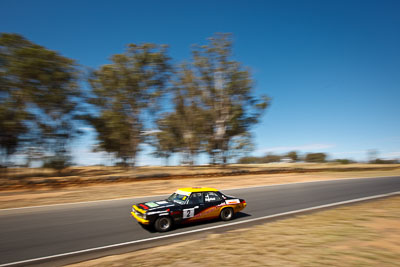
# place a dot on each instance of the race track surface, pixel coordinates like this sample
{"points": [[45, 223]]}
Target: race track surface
{"points": [[30, 233]]}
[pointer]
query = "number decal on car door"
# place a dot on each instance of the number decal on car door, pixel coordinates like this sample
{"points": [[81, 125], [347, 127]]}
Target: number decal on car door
{"points": [[188, 213]]}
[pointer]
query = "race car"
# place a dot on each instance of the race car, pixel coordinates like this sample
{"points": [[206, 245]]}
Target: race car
{"points": [[187, 205]]}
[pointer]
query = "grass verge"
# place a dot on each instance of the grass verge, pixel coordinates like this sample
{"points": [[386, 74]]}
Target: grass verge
{"points": [[365, 234], [39, 178]]}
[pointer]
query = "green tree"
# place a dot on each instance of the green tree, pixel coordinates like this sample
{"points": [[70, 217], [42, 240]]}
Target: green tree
{"points": [[11, 129], [189, 113], [250, 160], [182, 129], [165, 140], [125, 94], [271, 158], [315, 157], [241, 145], [12, 107], [292, 155], [226, 90], [344, 161], [39, 96]]}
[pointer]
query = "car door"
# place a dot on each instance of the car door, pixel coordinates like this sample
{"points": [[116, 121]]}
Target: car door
{"points": [[212, 202], [194, 206]]}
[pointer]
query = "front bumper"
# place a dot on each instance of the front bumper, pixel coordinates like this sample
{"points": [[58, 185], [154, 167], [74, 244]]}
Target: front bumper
{"points": [[140, 220]]}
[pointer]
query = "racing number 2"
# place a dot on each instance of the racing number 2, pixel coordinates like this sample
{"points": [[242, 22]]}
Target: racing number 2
{"points": [[188, 213]]}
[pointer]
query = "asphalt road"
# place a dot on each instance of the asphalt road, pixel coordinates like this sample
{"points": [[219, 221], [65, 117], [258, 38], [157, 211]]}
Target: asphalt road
{"points": [[30, 233]]}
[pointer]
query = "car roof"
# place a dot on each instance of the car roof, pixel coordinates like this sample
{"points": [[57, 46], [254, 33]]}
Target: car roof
{"points": [[197, 189]]}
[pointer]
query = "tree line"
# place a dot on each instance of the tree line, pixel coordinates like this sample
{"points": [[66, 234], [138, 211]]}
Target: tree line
{"points": [[318, 157], [203, 105], [292, 156]]}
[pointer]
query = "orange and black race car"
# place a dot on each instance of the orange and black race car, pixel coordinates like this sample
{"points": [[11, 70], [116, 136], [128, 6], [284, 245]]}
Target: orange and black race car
{"points": [[187, 205]]}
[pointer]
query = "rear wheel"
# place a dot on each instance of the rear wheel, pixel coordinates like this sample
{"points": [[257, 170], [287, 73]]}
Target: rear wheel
{"points": [[163, 224], [226, 214]]}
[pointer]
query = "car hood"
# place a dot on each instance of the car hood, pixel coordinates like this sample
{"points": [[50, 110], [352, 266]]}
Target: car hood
{"points": [[156, 205]]}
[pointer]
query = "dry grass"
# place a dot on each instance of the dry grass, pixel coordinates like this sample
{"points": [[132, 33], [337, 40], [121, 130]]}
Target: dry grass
{"points": [[19, 178], [366, 234], [34, 197], [94, 171]]}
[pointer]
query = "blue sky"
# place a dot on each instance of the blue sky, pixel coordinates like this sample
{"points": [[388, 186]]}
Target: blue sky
{"points": [[332, 68]]}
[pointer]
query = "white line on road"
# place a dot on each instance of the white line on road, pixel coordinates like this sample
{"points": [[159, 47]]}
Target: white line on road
{"points": [[200, 230]]}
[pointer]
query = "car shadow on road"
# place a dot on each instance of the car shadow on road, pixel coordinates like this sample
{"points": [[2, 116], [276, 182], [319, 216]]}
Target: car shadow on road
{"points": [[241, 215], [204, 223]]}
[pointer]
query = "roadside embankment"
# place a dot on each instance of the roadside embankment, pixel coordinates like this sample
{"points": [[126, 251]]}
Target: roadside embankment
{"points": [[38, 178], [36, 196]]}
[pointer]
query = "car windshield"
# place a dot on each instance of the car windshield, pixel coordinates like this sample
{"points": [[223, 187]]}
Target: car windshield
{"points": [[177, 198]]}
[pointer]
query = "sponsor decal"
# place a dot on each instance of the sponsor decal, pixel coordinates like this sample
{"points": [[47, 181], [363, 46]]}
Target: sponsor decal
{"points": [[232, 201], [143, 206], [161, 202], [151, 204], [162, 207], [156, 212], [209, 199], [206, 211]]}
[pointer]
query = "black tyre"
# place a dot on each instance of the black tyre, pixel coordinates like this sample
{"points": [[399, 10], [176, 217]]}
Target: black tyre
{"points": [[226, 214], [163, 224]]}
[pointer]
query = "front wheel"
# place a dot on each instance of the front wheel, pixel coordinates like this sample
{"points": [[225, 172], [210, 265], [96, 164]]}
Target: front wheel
{"points": [[226, 214], [163, 224]]}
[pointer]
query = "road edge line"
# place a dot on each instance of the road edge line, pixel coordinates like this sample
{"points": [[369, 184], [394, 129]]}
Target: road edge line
{"points": [[29, 261]]}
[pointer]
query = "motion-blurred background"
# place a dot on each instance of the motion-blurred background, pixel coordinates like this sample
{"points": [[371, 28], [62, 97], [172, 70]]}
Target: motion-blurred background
{"points": [[213, 82]]}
